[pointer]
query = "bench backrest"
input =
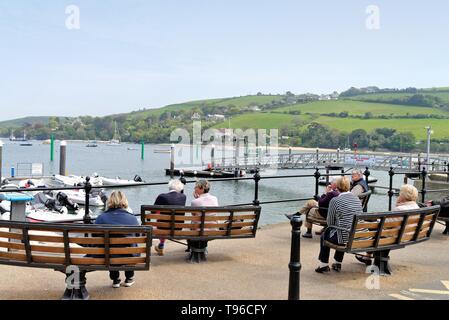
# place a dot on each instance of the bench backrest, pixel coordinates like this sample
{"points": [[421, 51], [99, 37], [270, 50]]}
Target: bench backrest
{"points": [[388, 230], [364, 198], [201, 223], [88, 247]]}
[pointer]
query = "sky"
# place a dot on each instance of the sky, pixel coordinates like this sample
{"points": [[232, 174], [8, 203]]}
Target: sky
{"points": [[134, 54]]}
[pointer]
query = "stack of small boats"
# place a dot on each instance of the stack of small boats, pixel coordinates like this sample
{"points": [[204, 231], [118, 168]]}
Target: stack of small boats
{"points": [[62, 205]]}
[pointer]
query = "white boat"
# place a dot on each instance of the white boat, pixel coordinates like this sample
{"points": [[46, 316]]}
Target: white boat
{"points": [[79, 197], [92, 144], [71, 181], [53, 216], [46, 215], [161, 151], [119, 182], [114, 143], [116, 138]]}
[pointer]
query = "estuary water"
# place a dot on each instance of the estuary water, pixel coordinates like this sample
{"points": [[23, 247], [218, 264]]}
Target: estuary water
{"points": [[125, 161]]}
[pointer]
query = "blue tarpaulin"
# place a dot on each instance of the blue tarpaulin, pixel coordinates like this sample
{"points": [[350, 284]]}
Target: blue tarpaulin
{"points": [[15, 197]]}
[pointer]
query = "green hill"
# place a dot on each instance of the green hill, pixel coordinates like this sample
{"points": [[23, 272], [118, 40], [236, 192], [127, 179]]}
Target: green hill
{"points": [[18, 123], [292, 114], [236, 102]]}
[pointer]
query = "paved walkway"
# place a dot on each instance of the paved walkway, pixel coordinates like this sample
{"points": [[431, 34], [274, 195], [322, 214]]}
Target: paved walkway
{"points": [[254, 269]]}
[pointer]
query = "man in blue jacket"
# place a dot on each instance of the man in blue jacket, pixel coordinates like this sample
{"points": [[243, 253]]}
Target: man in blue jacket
{"points": [[175, 197]]}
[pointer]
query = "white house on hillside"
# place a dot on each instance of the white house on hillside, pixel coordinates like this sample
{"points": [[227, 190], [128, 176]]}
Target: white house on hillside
{"points": [[216, 117]]}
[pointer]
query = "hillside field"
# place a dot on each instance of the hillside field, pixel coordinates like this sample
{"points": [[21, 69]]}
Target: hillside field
{"points": [[359, 108], [277, 118]]}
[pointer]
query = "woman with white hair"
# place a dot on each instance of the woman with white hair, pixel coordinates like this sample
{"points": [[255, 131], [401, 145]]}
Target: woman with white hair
{"points": [[408, 196], [175, 197], [407, 200]]}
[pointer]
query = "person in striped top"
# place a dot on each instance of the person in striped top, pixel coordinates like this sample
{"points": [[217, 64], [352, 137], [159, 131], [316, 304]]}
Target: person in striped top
{"points": [[339, 220]]}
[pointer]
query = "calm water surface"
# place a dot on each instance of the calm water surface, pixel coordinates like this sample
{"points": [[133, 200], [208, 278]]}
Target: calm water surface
{"points": [[124, 163]]}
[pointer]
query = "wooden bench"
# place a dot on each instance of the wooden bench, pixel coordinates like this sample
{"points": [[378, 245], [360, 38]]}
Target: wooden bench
{"points": [[364, 198], [75, 249], [444, 216], [198, 225], [381, 232]]}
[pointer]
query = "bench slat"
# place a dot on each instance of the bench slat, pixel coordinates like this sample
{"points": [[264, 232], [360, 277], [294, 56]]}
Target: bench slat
{"points": [[128, 240], [11, 235], [47, 249], [39, 238], [49, 259], [87, 240], [127, 261], [114, 261], [167, 218], [163, 217], [179, 233], [13, 256], [194, 226], [12, 245]]}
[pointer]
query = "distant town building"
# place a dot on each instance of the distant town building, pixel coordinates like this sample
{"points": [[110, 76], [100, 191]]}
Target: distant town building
{"points": [[216, 117], [254, 108]]}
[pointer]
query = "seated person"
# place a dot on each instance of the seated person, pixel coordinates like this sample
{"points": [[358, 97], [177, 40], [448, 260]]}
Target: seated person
{"points": [[117, 215], [318, 210], [175, 197], [202, 196], [358, 184], [339, 220], [444, 203], [407, 200], [202, 199]]}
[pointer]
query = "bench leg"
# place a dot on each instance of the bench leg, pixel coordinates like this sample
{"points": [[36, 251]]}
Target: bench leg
{"points": [[198, 251], [446, 231], [76, 288], [381, 260]]}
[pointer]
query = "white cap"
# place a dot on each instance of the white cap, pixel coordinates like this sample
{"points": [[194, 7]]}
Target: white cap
{"points": [[63, 143]]}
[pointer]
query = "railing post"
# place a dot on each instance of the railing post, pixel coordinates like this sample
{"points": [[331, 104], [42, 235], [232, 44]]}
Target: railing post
{"points": [[295, 259], [212, 157], [390, 189], [419, 161], [447, 172], [257, 178], [87, 188], [424, 191], [317, 176], [62, 158], [172, 161]]}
